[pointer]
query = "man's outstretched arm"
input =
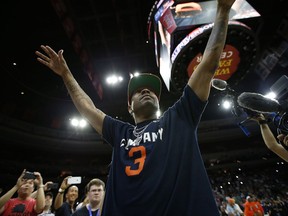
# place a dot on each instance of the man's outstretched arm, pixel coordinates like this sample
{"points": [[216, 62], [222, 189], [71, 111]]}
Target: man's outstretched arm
{"points": [[200, 80], [84, 104]]}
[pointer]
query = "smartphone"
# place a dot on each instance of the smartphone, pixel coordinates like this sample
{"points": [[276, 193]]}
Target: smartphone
{"points": [[53, 186], [74, 180], [29, 175]]}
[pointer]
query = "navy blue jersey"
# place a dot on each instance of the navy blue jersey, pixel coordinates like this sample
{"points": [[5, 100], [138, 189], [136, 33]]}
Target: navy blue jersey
{"points": [[162, 173]]}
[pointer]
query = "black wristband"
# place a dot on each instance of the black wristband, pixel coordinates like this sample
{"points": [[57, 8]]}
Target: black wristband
{"points": [[261, 122]]}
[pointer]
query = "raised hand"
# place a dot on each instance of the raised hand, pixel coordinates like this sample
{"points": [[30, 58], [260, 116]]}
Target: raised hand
{"points": [[54, 61], [21, 180]]}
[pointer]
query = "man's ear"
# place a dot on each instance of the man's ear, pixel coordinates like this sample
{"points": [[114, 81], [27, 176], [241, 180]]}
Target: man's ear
{"points": [[130, 110]]}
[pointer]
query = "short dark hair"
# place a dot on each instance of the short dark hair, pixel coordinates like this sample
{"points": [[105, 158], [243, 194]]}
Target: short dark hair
{"points": [[49, 194], [95, 181]]}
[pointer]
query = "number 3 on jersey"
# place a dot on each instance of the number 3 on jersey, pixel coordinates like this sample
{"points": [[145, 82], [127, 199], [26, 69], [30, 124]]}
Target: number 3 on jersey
{"points": [[138, 161]]}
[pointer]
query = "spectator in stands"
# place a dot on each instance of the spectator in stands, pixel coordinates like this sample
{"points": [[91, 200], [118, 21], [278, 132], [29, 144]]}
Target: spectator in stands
{"points": [[67, 207], [24, 204], [47, 211], [222, 209], [248, 206], [270, 140], [257, 207], [95, 195], [233, 209]]}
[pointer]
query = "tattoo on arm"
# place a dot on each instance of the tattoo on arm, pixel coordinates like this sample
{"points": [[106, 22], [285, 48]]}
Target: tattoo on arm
{"points": [[77, 94], [216, 42]]}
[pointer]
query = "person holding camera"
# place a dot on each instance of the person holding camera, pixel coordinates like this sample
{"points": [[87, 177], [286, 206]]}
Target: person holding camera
{"points": [[71, 195], [269, 138], [24, 204]]}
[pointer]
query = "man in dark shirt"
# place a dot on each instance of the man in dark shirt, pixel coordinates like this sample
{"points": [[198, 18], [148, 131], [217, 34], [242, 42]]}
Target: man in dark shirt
{"points": [[157, 168], [95, 195]]}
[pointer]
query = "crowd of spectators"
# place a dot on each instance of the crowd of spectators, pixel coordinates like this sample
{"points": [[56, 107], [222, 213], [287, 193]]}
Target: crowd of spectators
{"points": [[268, 185]]}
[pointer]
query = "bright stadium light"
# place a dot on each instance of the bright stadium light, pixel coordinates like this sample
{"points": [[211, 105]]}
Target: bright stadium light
{"points": [[78, 123], [114, 79]]}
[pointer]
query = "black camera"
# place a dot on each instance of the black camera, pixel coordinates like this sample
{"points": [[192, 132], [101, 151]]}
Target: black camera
{"points": [[275, 111], [29, 175], [252, 104]]}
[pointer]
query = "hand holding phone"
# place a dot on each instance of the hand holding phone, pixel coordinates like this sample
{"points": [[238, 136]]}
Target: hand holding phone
{"points": [[29, 175], [74, 180]]}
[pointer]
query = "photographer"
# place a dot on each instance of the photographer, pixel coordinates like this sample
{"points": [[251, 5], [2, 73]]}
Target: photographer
{"points": [[24, 204], [269, 138], [66, 197]]}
